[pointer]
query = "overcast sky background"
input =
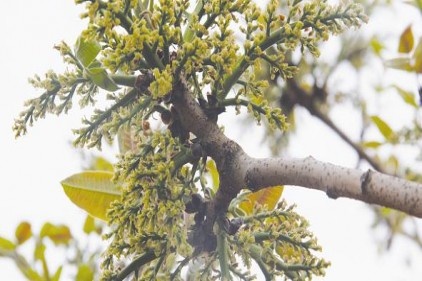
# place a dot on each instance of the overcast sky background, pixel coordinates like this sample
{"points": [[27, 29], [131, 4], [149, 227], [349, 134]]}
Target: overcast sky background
{"points": [[31, 167]]}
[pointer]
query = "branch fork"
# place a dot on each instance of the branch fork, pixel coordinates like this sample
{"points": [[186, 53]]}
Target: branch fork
{"points": [[237, 170]]}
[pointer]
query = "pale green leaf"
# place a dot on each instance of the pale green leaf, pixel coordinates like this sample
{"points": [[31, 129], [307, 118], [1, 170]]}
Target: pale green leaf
{"points": [[392, 163], [399, 63], [92, 191], [268, 197], [417, 57], [99, 77], [86, 50], [23, 232], [406, 41], [383, 127]]}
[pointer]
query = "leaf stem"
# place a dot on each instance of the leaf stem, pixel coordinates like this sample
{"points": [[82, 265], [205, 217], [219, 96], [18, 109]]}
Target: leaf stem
{"points": [[135, 264], [237, 101], [124, 80], [223, 252], [255, 252]]}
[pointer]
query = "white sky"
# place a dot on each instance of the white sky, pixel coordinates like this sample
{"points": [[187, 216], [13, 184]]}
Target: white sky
{"points": [[32, 167]]}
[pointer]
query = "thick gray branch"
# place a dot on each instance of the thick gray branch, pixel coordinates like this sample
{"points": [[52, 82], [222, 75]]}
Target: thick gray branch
{"points": [[238, 170], [335, 181], [225, 152]]}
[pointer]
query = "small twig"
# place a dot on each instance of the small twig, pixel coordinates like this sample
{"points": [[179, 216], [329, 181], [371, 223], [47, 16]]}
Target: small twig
{"points": [[179, 267], [299, 96], [135, 264]]}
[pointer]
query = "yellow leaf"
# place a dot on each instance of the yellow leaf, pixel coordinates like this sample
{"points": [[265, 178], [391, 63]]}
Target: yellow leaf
{"points": [[384, 128], [59, 234], [406, 41], [85, 273], [376, 46], [57, 274], [92, 191], [102, 164], [371, 144], [89, 225], [39, 252], [23, 232], [417, 57], [384, 211], [6, 244], [288, 251], [408, 97], [268, 197], [212, 169]]}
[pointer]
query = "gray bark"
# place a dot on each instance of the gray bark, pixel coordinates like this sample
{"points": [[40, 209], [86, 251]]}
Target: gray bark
{"points": [[238, 170]]}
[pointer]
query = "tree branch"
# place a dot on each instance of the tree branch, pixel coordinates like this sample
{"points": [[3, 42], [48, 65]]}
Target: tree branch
{"points": [[370, 186], [237, 170], [299, 96]]}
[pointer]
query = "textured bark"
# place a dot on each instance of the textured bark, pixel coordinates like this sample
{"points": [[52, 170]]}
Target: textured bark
{"points": [[335, 181], [237, 170]]}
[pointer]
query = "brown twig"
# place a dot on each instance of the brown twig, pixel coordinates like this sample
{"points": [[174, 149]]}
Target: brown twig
{"points": [[308, 101]]}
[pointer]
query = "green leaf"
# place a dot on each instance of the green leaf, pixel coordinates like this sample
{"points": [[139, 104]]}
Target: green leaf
{"points": [[102, 164], [268, 197], [92, 191], [86, 50], [399, 63], [85, 273], [99, 77], [59, 234], [30, 273], [406, 41], [6, 244], [417, 57], [57, 274], [408, 97], [39, 252], [377, 46], [384, 211], [383, 127], [371, 144], [89, 225]]}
